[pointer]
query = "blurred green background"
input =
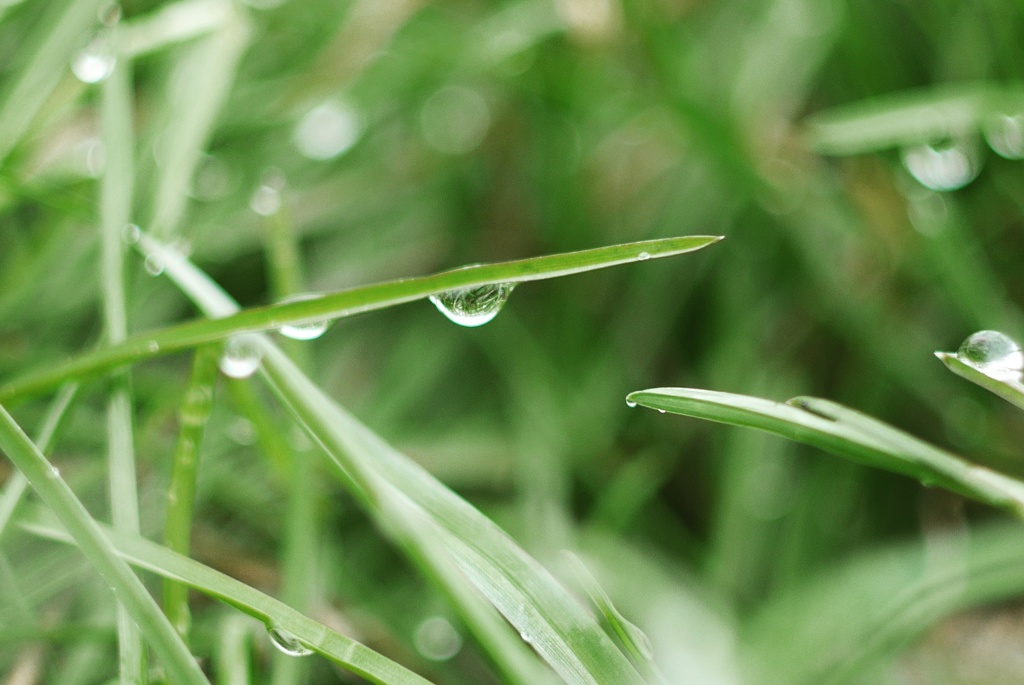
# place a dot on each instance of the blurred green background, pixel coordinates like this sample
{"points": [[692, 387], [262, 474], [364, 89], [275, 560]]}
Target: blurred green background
{"points": [[862, 158]]}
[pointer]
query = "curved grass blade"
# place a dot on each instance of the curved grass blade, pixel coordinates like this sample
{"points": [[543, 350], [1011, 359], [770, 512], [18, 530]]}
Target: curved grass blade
{"points": [[130, 592], [1009, 390], [422, 513], [332, 306], [344, 651], [846, 433], [909, 118]]}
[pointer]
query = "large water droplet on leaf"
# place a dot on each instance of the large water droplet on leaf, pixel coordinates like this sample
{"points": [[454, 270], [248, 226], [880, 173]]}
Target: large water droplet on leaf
{"points": [[473, 306], [1005, 135], [304, 331], [287, 643], [241, 356], [944, 167], [995, 354], [96, 61]]}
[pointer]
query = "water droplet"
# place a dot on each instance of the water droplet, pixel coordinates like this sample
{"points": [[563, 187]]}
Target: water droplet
{"points": [[326, 131], [242, 431], [53, 471], [527, 638], [266, 199], [153, 346], [304, 331], [437, 640], [943, 167], [630, 403], [154, 265], [643, 256], [287, 643], [1005, 135], [241, 356], [455, 119], [96, 60], [995, 354], [473, 306], [131, 234], [661, 411]]}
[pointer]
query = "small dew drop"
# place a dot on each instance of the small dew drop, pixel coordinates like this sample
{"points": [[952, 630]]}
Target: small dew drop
{"points": [[54, 472], [287, 643], [995, 354], [630, 403], [437, 640], [131, 234], [643, 256], [266, 199], [326, 131], [154, 265], [473, 306], [304, 331], [944, 167], [96, 60], [153, 346], [1005, 135], [661, 411], [241, 356]]}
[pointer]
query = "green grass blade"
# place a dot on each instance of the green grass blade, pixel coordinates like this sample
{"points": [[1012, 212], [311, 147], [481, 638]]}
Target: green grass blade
{"points": [[209, 69], [16, 486], [234, 651], [343, 650], [1009, 390], [171, 24], [62, 31], [181, 493], [129, 590], [846, 433], [332, 306], [909, 118], [115, 211]]}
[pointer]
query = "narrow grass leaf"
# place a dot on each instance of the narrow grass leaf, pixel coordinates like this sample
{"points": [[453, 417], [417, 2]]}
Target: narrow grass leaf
{"points": [[846, 433], [181, 493], [911, 117], [344, 651], [172, 24], [129, 590], [1010, 390], [332, 306]]}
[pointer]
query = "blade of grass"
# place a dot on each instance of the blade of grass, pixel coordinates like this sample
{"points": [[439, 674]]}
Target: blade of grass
{"points": [[529, 598], [1009, 390], [234, 651], [128, 589], [181, 493], [51, 47], [229, 321], [115, 212], [909, 118], [208, 69], [346, 652], [16, 486], [170, 25], [845, 433]]}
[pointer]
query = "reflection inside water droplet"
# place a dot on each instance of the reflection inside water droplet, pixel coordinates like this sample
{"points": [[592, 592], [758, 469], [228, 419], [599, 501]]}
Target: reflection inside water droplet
{"points": [[241, 357], [154, 265], [995, 354], [304, 331], [96, 60], [473, 306], [437, 640], [287, 643], [944, 167], [1005, 135]]}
